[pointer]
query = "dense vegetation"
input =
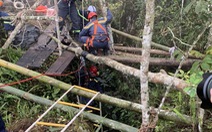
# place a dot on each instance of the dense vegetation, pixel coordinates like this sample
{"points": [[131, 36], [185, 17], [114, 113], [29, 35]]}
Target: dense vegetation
{"points": [[185, 21]]}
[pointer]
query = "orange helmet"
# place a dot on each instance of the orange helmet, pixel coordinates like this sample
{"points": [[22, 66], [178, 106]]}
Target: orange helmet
{"points": [[91, 14], [1, 3], [93, 71]]}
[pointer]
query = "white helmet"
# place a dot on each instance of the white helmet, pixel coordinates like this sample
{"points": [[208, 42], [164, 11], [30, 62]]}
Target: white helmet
{"points": [[91, 8]]}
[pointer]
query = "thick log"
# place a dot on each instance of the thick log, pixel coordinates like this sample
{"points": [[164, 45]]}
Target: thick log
{"points": [[140, 39], [101, 97], [138, 50], [94, 118], [158, 78], [153, 61], [144, 64]]}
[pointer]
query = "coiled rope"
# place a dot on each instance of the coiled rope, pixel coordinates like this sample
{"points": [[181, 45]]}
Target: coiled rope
{"points": [[18, 4]]}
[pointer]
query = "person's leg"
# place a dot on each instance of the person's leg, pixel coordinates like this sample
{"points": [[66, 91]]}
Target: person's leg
{"points": [[2, 125], [63, 11], [75, 19], [101, 45]]}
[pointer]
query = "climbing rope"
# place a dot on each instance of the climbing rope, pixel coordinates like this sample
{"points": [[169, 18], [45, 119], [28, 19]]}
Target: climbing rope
{"points": [[18, 4], [42, 74]]}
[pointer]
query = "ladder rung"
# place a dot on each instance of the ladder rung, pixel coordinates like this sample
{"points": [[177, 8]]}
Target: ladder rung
{"points": [[85, 89], [96, 125], [79, 106], [93, 108], [90, 111], [50, 124]]}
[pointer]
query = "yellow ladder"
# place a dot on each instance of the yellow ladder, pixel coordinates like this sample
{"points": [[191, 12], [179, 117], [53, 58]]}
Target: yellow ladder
{"points": [[69, 104]]}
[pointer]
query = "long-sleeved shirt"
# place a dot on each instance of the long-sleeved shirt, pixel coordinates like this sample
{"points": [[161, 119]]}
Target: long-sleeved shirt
{"points": [[88, 30]]}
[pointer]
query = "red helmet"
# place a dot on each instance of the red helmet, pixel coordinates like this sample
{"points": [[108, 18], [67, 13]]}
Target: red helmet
{"points": [[91, 14], [93, 71], [41, 9]]}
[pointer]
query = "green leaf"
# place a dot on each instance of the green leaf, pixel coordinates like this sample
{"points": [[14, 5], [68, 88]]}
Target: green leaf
{"points": [[201, 6], [194, 67], [179, 114], [207, 59], [191, 91], [188, 7], [205, 66]]}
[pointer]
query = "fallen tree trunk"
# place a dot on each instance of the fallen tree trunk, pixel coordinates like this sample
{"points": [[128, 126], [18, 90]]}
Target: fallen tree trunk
{"points": [[94, 118], [158, 78], [153, 61], [101, 97], [166, 48], [138, 50]]}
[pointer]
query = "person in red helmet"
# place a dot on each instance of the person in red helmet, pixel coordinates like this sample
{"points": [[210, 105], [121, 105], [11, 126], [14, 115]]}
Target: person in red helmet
{"points": [[92, 83], [93, 71], [95, 34]]}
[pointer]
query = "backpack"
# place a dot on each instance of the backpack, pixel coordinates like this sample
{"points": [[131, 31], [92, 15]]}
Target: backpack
{"points": [[27, 36]]}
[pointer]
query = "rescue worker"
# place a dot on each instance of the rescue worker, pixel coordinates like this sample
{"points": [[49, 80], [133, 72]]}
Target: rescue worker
{"points": [[68, 7], [6, 23], [2, 125], [95, 34], [92, 82]]}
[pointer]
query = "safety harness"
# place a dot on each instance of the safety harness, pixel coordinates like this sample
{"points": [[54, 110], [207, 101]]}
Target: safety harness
{"points": [[89, 41]]}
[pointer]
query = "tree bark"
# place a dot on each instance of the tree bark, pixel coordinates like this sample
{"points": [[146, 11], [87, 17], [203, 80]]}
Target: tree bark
{"points": [[102, 97], [104, 11], [129, 59], [138, 50], [158, 78], [93, 117], [144, 63], [160, 46], [209, 42]]}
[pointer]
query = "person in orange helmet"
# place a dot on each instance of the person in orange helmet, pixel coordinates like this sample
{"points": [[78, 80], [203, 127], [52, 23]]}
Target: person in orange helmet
{"points": [[95, 35]]}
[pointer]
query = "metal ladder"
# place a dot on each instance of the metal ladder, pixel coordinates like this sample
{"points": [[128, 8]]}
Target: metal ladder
{"points": [[69, 104]]}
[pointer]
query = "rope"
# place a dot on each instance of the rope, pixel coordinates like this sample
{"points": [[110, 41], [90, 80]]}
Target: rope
{"points": [[48, 109], [34, 77], [18, 5], [73, 119]]}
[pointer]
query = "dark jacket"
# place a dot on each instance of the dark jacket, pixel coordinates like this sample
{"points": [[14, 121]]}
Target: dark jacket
{"points": [[2, 125], [7, 25]]}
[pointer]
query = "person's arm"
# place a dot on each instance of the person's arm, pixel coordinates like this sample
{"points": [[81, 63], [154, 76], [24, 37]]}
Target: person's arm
{"points": [[109, 16], [84, 32]]}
